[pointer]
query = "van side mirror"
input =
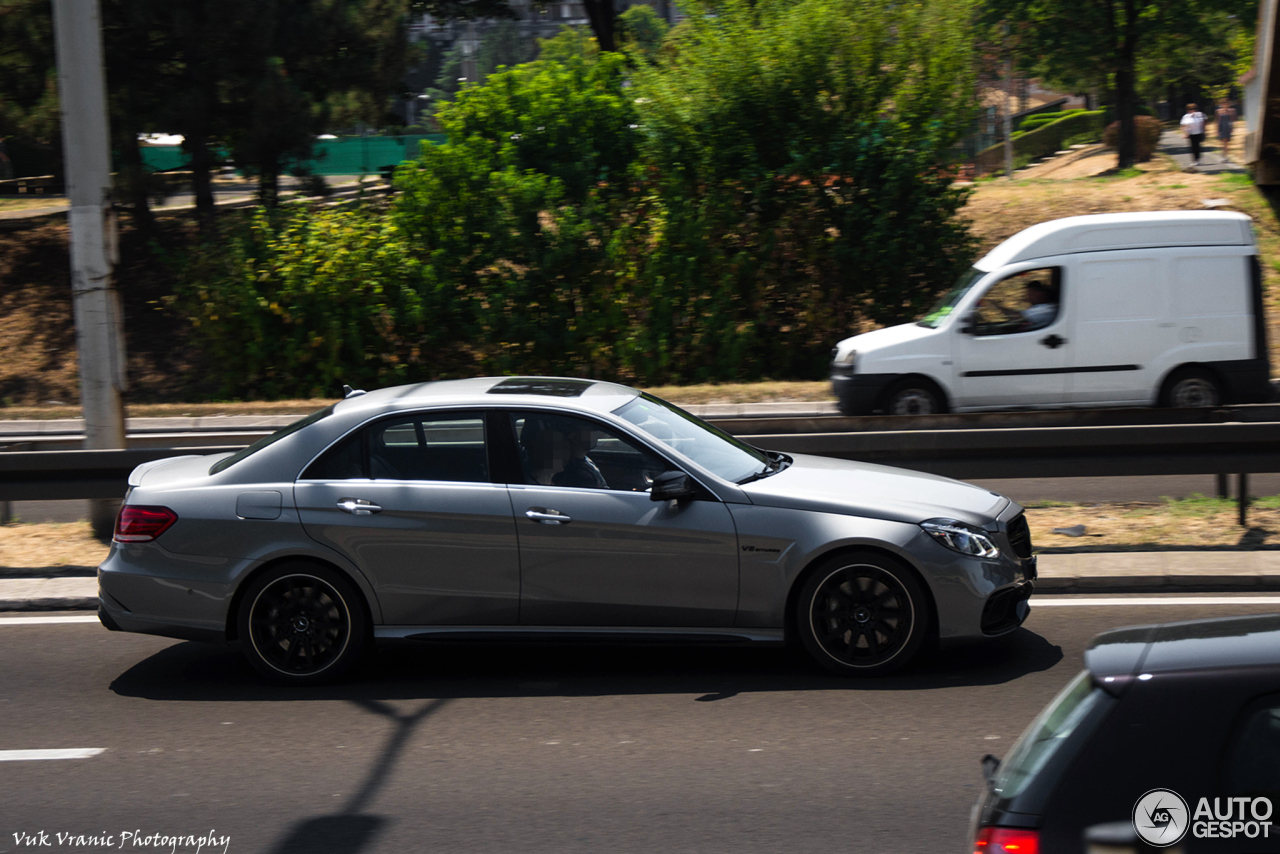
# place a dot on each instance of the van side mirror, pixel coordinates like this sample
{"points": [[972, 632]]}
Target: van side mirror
{"points": [[672, 485], [968, 323]]}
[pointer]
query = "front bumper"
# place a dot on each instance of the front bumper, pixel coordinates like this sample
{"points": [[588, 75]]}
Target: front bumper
{"points": [[858, 394]]}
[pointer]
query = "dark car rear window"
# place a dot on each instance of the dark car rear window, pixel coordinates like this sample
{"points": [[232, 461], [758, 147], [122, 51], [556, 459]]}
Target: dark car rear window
{"points": [[226, 462], [1038, 758]]}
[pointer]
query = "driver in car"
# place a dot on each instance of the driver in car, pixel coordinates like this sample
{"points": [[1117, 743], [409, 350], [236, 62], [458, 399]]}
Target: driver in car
{"points": [[579, 470], [1043, 307]]}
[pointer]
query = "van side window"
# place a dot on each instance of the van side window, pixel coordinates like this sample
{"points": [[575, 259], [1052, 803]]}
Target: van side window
{"points": [[1022, 302]]}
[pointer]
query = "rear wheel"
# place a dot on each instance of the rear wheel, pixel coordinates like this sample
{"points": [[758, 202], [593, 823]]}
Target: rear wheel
{"points": [[302, 624], [1190, 388], [862, 615], [914, 396]]}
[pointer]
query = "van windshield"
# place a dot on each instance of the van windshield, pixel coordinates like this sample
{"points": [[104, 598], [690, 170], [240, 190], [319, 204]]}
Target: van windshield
{"points": [[943, 308]]}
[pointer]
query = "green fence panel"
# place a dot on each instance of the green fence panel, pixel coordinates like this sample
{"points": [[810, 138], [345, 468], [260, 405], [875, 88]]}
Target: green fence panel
{"points": [[346, 156]]}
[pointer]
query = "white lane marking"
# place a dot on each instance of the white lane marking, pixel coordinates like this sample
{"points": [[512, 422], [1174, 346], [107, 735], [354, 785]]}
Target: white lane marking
{"points": [[44, 621], [1050, 602], [69, 753]]}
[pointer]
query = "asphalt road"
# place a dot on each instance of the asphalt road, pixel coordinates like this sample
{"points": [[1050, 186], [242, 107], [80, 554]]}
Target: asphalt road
{"points": [[504, 749]]}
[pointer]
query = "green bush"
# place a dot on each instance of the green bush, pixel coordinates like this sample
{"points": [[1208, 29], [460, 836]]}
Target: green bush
{"points": [[1042, 141], [1147, 129], [765, 186], [297, 302]]}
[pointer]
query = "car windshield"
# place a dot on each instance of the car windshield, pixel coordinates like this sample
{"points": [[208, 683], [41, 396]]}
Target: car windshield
{"points": [[708, 446], [1047, 733], [943, 308], [226, 462]]}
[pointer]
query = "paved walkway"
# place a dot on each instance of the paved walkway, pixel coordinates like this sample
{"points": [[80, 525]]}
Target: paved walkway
{"points": [[1212, 160], [1095, 572]]}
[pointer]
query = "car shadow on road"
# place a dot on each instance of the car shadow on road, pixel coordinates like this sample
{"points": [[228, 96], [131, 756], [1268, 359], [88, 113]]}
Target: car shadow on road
{"points": [[412, 670]]}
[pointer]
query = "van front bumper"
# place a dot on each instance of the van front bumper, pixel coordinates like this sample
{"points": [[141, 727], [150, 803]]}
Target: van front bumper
{"points": [[858, 394]]}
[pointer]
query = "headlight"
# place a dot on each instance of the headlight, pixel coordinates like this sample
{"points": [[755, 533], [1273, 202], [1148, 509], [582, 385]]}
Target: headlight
{"points": [[962, 538], [847, 360]]}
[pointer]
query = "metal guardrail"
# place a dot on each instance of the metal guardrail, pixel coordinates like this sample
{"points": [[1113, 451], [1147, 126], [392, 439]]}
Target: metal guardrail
{"points": [[1174, 449]]}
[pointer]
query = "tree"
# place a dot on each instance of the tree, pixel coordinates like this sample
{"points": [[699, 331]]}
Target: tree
{"points": [[1075, 41], [29, 122], [795, 157], [602, 14]]}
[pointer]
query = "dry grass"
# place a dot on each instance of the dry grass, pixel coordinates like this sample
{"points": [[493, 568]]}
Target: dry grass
{"points": [[1190, 523], [49, 546], [26, 203]]}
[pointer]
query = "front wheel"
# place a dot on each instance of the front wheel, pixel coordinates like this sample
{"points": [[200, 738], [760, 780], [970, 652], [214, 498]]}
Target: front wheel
{"points": [[862, 615], [302, 624], [914, 397]]}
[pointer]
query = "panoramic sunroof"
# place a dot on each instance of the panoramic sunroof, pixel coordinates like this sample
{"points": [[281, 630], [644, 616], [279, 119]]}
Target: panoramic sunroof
{"points": [[553, 388]]}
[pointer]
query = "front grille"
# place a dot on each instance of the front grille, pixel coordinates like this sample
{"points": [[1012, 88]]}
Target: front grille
{"points": [[1020, 536], [1002, 613]]}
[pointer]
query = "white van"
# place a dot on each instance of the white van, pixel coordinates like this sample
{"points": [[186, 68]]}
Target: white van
{"points": [[1133, 309]]}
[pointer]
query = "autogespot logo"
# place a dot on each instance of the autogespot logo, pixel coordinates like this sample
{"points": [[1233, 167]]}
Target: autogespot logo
{"points": [[1160, 817]]}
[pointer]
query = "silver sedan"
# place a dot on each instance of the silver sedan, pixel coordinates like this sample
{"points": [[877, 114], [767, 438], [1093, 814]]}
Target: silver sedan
{"points": [[515, 508]]}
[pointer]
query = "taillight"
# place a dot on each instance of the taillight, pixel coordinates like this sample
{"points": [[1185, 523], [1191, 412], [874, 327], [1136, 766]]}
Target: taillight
{"points": [[141, 524], [999, 840]]}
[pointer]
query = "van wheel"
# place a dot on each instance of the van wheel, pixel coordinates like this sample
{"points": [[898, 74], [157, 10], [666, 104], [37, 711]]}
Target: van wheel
{"points": [[914, 396], [1191, 388]]}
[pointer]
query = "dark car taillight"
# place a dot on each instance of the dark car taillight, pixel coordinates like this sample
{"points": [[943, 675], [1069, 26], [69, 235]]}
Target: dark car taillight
{"points": [[1013, 840], [141, 524]]}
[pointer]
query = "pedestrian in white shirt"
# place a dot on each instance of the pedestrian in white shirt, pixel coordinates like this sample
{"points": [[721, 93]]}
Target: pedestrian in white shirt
{"points": [[1193, 129]]}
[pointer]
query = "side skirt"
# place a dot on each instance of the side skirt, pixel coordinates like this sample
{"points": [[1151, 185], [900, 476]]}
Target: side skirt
{"points": [[562, 634]]}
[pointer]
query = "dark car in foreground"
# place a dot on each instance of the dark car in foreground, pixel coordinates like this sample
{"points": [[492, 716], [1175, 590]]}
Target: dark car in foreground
{"points": [[1169, 739], [542, 508]]}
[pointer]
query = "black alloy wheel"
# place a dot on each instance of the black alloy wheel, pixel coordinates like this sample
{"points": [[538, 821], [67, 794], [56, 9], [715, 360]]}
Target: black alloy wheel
{"points": [[302, 624], [862, 615]]}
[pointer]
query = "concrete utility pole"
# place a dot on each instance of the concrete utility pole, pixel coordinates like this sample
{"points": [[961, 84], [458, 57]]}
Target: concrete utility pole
{"points": [[96, 303], [1008, 118]]}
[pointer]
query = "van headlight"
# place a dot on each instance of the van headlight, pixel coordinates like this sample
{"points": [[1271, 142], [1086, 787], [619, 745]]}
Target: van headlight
{"points": [[962, 538], [845, 361]]}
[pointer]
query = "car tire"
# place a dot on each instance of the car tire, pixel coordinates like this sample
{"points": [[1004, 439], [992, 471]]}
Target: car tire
{"points": [[302, 624], [862, 614], [1191, 388], [914, 396]]}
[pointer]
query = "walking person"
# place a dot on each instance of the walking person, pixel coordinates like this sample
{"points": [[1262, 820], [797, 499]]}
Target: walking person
{"points": [[1225, 118], [1193, 129]]}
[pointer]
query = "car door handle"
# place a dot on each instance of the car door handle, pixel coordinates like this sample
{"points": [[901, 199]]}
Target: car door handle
{"points": [[548, 517], [358, 507], [1053, 342]]}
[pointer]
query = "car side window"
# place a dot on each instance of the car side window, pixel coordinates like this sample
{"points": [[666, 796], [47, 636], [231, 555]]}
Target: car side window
{"points": [[561, 450], [435, 447], [1254, 765], [1021, 302]]}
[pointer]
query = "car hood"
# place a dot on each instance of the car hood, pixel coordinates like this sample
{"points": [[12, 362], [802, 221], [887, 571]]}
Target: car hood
{"points": [[878, 492]]}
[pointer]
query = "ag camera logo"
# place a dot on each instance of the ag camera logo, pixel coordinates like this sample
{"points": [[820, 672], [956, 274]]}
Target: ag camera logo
{"points": [[1160, 817]]}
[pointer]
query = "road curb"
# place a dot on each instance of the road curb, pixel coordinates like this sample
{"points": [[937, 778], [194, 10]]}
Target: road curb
{"points": [[1159, 584]]}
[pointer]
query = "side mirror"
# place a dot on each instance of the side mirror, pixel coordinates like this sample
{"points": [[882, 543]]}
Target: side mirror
{"points": [[990, 765], [672, 484], [968, 323]]}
